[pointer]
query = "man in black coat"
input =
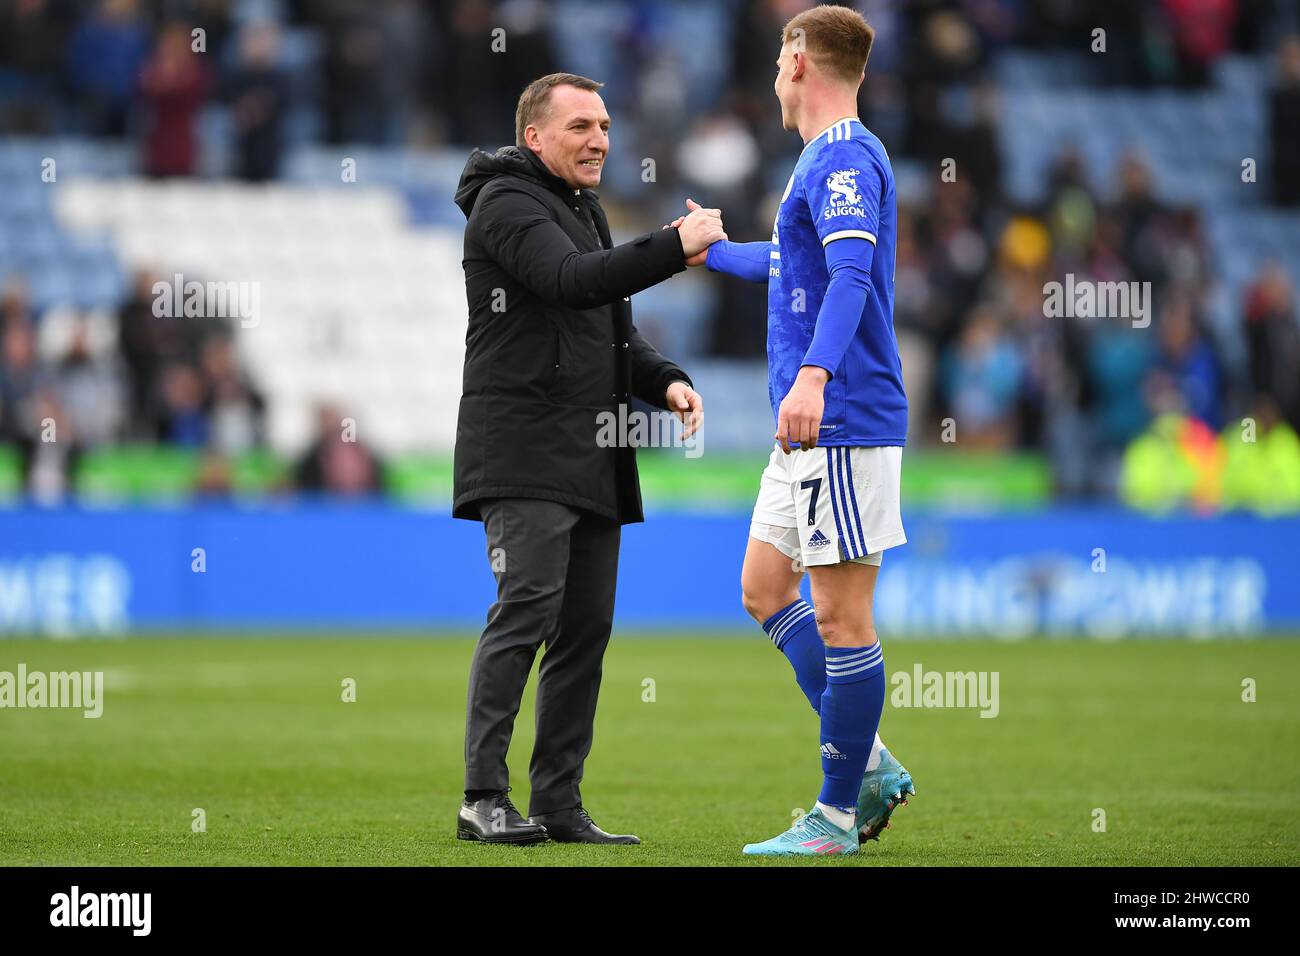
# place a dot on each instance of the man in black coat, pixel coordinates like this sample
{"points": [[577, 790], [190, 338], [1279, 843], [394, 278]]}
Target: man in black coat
{"points": [[549, 348]]}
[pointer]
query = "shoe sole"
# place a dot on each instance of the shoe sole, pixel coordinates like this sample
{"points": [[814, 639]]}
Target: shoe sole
{"points": [[471, 837], [845, 852]]}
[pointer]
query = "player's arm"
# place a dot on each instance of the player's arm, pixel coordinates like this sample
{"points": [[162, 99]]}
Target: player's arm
{"points": [[518, 232], [744, 260], [848, 263]]}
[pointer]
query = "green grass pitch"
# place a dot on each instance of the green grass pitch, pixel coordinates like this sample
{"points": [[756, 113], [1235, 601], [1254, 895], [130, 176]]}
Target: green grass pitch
{"points": [[254, 732]]}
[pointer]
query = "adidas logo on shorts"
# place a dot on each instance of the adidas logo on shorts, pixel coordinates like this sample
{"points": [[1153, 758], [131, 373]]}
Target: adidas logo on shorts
{"points": [[818, 540]]}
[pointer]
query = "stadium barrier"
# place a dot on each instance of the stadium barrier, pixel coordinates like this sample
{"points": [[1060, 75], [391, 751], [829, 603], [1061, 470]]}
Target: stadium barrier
{"points": [[1103, 573]]}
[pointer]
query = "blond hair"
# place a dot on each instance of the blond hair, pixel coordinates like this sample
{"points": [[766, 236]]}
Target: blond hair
{"points": [[836, 38]]}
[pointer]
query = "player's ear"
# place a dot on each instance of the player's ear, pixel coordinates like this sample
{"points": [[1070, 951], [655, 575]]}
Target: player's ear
{"points": [[800, 65]]}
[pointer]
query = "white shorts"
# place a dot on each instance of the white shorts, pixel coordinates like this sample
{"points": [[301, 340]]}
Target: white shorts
{"points": [[827, 505]]}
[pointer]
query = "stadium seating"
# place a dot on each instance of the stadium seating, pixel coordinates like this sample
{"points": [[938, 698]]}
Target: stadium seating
{"points": [[357, 308]]}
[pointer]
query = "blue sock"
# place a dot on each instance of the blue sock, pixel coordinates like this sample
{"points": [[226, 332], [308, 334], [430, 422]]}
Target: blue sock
{"points": [[850, 712], [793, 630]]}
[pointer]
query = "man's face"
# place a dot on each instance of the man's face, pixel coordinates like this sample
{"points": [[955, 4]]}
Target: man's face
{"points": [[786, 91], [572, 138]]}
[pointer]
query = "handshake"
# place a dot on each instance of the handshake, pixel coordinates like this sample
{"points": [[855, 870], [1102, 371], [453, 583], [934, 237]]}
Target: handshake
{"points": [[698, 229]]}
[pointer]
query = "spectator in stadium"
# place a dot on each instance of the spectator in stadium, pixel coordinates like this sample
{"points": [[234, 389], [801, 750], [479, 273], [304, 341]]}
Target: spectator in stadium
{"points": [[183, 420], [216, 19], [1262, 461], [32, 35], [720, 157], [1201, 33], [1189, 361], [16, 302], [551, 344], [337, 462], [374, 60], [1273, 342], [1284, 124], [258, 93], [174, 83], [354, 52], [943, 51], [915, 323], [21, 380], [959, 254], [148, 345], [235, 409], [1118, 360], [982, 378], [51, 455], [104, 57], [471, 63], [1176, 461], [31, 417], [89, 391], [1139, 214], [142, 343]]}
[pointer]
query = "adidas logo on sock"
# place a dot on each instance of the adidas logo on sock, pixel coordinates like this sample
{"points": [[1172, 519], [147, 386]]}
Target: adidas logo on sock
{"points": [[818, 540], [829, 751]]}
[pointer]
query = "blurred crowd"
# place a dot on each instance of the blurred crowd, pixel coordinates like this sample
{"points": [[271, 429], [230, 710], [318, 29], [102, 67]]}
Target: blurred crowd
{"points": [[689, 84], [981, 351], [379, 71], [79, 381]]}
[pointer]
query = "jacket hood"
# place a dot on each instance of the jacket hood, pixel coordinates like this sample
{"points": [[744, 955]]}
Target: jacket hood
{"points": [[482, 167]]}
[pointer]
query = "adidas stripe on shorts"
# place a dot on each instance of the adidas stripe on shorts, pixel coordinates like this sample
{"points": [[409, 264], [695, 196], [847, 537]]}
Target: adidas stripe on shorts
{"points": [[827, 505]]}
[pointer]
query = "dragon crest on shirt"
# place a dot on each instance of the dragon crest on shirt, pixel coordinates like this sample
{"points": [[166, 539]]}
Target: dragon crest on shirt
{"points": [[843, 184]]}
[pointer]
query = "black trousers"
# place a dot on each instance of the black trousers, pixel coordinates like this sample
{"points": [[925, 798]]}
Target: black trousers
{"points": [[555, 568]]}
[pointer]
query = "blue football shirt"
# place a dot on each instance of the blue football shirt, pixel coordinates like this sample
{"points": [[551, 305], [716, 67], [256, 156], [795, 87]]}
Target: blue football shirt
{"points": [[842, 187]]}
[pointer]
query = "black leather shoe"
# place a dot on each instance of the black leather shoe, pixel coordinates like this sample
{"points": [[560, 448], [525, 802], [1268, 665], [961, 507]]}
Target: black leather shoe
{"points": [[576, 826], [494, 819]]}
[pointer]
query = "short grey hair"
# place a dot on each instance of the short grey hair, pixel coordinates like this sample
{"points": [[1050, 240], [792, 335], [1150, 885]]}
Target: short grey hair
{"points": [[536, 97]]}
